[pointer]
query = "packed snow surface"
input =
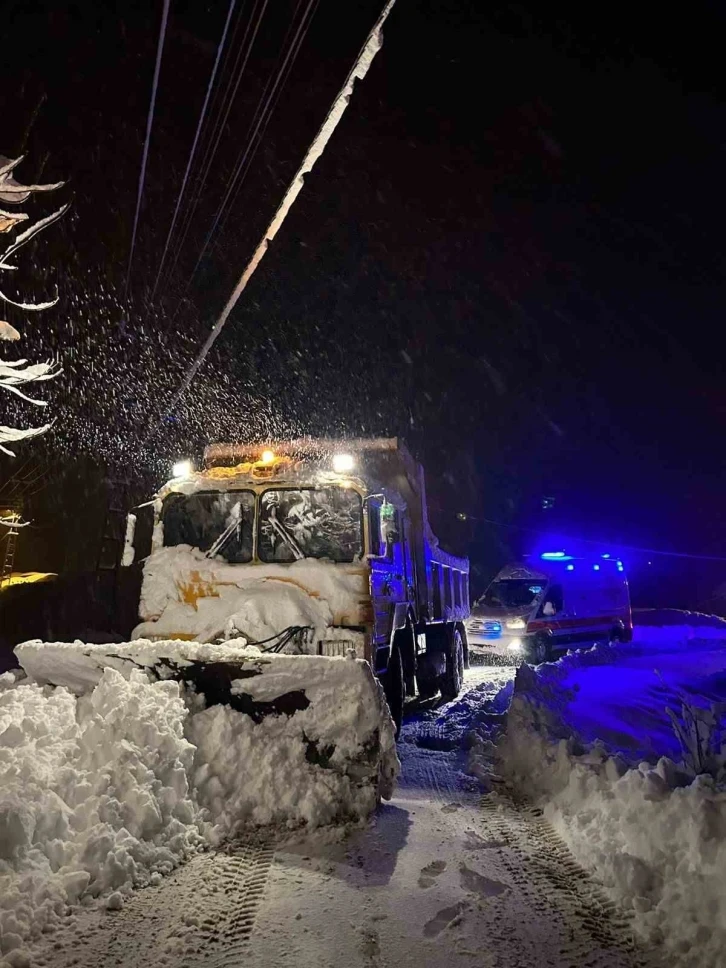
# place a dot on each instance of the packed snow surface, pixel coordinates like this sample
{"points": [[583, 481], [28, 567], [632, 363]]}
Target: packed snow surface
{"points": [[585, 738], [113, 772]]}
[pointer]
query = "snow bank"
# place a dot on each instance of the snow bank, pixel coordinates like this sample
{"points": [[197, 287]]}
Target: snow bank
{"points": [[654, 835], [118, 762], [94, 797], [672, 627]]}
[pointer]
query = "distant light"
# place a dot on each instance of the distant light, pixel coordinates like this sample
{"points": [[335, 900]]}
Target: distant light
{"points": [[650, 562], [515, 645], [596, 567], [620, 566], [606, 556], [182, 468], [267, 457], [342, 463], [570, 567], [552, 554]]}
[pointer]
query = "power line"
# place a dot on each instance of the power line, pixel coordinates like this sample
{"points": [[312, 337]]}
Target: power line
{"points": [[245, 49], [601, 544], [358, 71], [260, 121], [202, 116], [149, 124]]}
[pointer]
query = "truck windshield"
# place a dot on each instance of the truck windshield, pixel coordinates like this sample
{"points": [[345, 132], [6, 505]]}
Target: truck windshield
{"points": [[220, 523], [310, 523], [512, 593]]}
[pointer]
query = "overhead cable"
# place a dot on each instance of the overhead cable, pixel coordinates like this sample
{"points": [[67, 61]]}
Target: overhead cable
{"points": [[149, 125], [190, 160], [258, 126], [243, 54]]}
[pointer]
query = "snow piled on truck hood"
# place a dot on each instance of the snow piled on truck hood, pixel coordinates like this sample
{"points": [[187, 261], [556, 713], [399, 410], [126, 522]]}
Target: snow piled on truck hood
{"points": [[654, 835], [112, 779], [183, 591]]}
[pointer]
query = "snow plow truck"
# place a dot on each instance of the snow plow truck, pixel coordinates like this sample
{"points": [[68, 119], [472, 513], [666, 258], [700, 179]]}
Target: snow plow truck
{"points": [[310, 547], [289, 583]]}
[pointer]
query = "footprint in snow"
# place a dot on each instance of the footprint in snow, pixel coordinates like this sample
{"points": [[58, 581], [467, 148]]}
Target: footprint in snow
{"points": [[478, 884], [475, 842], [447, 917], [430, 871], [451, 807]]}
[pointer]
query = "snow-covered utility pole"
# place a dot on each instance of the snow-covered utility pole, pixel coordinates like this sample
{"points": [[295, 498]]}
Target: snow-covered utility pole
{"points": [[373, 44], [15, 374]]}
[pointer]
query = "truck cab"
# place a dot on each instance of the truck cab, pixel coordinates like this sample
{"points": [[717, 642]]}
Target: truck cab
{"points": [[310, 547]]}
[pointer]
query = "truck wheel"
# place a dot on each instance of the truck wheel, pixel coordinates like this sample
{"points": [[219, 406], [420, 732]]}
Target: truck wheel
{"points": [[427, 688], [453, 679], [541, 650], [392, 681]]}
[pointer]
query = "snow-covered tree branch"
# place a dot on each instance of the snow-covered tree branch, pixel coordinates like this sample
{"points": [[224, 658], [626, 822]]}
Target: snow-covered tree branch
{"points": [[16, 374]]}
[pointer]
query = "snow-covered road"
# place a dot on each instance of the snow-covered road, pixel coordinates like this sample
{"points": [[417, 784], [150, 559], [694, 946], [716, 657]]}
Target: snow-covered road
{"points": [[442, 877]]}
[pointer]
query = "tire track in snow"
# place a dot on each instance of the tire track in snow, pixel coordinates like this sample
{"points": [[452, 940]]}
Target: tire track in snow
{"points": [[542, 867], [201, 916], [544, 877]]}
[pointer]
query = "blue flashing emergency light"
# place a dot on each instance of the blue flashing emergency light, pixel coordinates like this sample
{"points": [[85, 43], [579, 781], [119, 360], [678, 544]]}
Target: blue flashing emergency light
{"points": [[552, 554], [605, 556], [596, 567], [570, 567]]}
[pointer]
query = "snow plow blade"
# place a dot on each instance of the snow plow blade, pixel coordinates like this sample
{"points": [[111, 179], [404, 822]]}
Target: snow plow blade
{"points": [[313, 731]]}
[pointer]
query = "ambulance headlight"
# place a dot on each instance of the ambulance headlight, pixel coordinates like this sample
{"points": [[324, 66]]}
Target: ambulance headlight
{"points": [[182, 468], [515, 645], [516, 623]]}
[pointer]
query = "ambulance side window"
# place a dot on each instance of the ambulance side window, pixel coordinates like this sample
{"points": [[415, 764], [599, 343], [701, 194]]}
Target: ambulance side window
{"points": [[553, 601]]}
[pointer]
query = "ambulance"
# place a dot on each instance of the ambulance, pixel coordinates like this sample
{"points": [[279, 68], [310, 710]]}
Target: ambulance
{"points": [[540, 608]]}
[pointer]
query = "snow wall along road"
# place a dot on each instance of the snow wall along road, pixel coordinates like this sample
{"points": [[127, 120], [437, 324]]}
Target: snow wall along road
{"points": [[278, 740]]}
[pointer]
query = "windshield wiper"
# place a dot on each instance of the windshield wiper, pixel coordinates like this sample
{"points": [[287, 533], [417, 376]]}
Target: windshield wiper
{"points": [[224, 537], [283, 533]]}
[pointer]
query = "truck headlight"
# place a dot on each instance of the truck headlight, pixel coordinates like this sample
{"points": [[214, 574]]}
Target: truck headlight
{"points": [[516, 623], [343, 463], [182, 468]]}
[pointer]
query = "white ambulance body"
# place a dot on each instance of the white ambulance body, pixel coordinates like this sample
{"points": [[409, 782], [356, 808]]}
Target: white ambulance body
{"points": [[544, 606]]}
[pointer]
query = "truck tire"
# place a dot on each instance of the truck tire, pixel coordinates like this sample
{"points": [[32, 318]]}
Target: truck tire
{"points": [[392, 682], [541, 651], [427, 687], [617, 635], [453, 679]]}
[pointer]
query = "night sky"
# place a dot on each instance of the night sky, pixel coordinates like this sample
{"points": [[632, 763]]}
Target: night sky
{"points": [[511, 254]]}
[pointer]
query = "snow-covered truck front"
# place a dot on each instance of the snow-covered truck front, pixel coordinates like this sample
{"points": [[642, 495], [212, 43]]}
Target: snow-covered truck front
{"points": [[310, 547]]}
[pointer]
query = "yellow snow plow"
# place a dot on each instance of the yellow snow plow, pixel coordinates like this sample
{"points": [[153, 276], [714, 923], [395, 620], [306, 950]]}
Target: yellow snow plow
{"points": [[282, 739]]}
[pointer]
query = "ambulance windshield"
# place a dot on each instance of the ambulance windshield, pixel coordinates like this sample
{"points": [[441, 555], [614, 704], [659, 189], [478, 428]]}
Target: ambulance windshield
{"points": [[512, 593]]}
